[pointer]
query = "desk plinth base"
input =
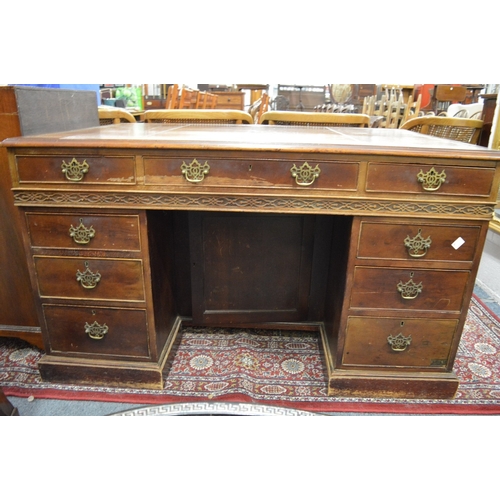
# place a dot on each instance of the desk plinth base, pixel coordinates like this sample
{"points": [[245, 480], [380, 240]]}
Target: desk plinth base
{"points": [[69, 371], [354, 383]]}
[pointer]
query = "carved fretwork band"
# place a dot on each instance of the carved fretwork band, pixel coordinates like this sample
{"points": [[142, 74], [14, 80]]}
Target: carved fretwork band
{"points": [[246, 203]]}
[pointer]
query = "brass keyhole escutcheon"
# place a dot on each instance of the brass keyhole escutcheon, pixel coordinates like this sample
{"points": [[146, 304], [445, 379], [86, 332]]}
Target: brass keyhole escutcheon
{"points": [[305, 175], [81, 234], [195, 171], [418, 245], [74, 170], [87, 278], [431, 180]]}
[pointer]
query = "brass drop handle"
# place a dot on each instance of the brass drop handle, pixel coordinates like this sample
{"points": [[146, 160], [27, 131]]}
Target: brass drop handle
{"points": [[74, 170], [195, 171], [418, 245], [305, 175], [96, 331], [410, 289], [431, 180], [399, 342], [88, 279], [81, 234]]}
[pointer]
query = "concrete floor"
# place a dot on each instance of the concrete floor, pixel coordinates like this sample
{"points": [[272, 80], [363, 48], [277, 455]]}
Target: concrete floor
{"points": [[489, 270]]}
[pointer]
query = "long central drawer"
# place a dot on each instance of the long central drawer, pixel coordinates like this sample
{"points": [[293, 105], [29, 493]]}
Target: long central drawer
{"points": [[237, 172]]}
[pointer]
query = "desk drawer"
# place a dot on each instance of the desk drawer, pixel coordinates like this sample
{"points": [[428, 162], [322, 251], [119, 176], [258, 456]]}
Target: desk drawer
{"points": [[424, 289], [418, 242], [100, 331], [82, 231], [84, 169], [107, 279], [404, 178], [398, 342], [251, 173]]}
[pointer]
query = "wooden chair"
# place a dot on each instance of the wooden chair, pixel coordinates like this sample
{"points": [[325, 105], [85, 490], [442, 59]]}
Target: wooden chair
{"points": [[200, 116], [412, 109], [444, 95], [211, 101], [201, 100], [457, 129], [259, 107], [369, 105], [109, 115], [172, 101], [188, 98], [313, 119]]}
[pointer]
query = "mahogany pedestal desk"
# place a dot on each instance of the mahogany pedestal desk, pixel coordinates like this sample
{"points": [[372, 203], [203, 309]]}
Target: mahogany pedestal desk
{"points": [[372, 237]]}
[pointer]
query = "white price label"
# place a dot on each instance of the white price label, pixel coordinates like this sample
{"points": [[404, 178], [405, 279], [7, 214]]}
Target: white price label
{"points": [[458, 243]]}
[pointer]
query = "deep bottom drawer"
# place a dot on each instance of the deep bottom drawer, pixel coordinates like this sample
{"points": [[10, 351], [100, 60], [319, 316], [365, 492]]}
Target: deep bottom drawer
{"points": [[97, 331], [416, 342]]}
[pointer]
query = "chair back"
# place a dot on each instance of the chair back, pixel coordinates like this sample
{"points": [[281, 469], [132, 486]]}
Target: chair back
{"points": [[412, 109], [200, 116], [474, 110], [444, 95], [313, 119], [109, 115], [172, 101], [457, 129]]}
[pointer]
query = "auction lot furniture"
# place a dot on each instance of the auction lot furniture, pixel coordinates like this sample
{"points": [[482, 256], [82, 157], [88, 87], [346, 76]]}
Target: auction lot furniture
{"points": [[28, 111], [372, 237]]}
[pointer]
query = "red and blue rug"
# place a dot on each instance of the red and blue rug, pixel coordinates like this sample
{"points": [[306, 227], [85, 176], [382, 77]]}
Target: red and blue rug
{"points": [[274, 368]]}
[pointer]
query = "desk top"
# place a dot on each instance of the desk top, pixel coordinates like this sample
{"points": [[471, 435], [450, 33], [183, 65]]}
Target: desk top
{"points": [[259, 138]]}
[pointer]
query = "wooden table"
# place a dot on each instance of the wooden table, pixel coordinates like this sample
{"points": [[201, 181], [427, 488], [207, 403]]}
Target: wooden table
{"points": [[371, 237]]}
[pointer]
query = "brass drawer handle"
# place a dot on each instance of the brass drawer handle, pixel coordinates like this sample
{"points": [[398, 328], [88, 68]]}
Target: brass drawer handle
{"points": [[431, 180], [88, 279], [75, 171], [305, 175], [399, 342], [96, 331], [418, 245], [410, 289], [81, 234], [195, 172]]}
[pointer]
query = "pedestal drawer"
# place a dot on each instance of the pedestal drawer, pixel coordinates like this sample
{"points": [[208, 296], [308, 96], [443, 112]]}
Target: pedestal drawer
{"points": [[97, 330], [251, 172], [95, 279], [82, 231], [418, 242], [398, 343], [407, 289], [86, 169], [430, 179]]}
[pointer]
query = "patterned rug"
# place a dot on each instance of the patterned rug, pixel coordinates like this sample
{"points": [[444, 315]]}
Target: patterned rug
{"points": [[273, 368]]}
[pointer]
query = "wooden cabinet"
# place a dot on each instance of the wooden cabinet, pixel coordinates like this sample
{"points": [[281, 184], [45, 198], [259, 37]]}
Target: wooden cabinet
{"points": [[230, 100], [371, 237], [28, 111]]}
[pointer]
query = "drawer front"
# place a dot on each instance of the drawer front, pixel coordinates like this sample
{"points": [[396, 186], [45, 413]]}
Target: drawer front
{"points": [[415, 289], [99, 331], [251, 173], [85, 169], [404, 178], [104, 279], [398, 343], [77, 231], [418, 242]]}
